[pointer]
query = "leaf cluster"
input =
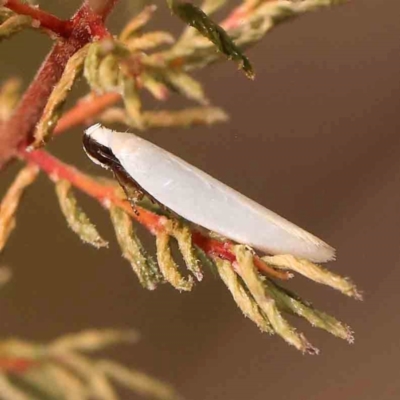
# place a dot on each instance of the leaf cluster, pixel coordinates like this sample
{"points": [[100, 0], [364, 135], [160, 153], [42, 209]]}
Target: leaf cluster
{"points": [[65, 369]]}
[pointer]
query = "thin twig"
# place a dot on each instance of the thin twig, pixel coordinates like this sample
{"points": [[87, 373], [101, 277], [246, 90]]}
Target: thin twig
{"points": [[16, 365], [46, 20], [240, 13], [84, 110], [105, 194]]}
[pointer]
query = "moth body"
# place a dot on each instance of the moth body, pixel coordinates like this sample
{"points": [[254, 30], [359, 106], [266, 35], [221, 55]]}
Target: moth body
{"points": [[200, 198]]}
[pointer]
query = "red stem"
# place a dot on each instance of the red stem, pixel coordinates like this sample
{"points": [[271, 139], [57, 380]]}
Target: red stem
{"points": [[48, 21], [86, 27], [213, 246], [16, 365], [30, 109], [224, 250], [238, 14], [105, 194], [84, 110]]}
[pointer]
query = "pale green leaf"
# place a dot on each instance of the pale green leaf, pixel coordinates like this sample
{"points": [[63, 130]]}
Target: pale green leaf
{"points": [[199, 20], [52, 112], [94, 339], [77, 220]]}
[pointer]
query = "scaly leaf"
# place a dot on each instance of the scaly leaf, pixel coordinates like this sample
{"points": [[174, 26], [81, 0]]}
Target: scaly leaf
{"points": [[36, 390], [154, 86], [149, 41], [9, 96], [168, 266], [246, 25], [9, 391], [108, 73], [137, 22], [92, 64], [184, 118], [132, 102], [5, 13], [208, 7], [77, 220], [52, 112], [183, 236], [293, 304], [241, 296], [185, 85], [71, 387], [199, 20], [94, 339], [96, 382], [132, 249], [100, 77], [10, 202], [13, 25], [166, 119], [315, 272], [39, 380], [138, 382], [247, 271], [211, 6]]}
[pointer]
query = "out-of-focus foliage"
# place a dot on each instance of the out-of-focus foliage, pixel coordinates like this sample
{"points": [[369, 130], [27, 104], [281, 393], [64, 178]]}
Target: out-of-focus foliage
{"points": [[66, 370]]}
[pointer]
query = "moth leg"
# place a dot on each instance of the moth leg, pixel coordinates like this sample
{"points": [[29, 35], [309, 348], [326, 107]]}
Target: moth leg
{"points": [[133, 191]]}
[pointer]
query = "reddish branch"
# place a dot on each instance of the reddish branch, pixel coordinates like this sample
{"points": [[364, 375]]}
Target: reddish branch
{"points": [[107, 194], [16, 365], [85, 26], [236, 17], [46, 20], [85, 110]]}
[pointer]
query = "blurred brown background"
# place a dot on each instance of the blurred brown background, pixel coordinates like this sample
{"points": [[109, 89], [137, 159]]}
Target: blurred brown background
{"points": [[315, 138]]}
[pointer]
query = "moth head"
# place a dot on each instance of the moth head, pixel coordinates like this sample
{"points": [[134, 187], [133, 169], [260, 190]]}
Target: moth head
{"points": [[96, 143]]}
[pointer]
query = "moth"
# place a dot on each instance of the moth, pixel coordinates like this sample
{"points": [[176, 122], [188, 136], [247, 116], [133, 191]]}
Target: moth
{"points": [[200, 198]]}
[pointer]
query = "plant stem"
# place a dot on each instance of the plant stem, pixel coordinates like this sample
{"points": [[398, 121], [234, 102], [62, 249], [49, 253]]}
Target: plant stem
{"points": [[86, 27], [238, 14], [224, 250], [16, 365], [23, 121], [103, 193], [46, 20], [84, 110]]}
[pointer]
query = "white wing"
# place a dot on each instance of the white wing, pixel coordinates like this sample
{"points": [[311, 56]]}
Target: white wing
{"points": [[205, 201]]}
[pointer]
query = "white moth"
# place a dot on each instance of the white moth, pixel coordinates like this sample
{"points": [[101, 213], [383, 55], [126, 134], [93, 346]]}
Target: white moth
{"points": [[200, 198]]}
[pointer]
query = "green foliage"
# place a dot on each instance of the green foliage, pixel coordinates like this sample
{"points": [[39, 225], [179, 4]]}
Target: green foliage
{"points": [[76, 218], [13, 24], [133, 250], [198, 19], [52, 112]]}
